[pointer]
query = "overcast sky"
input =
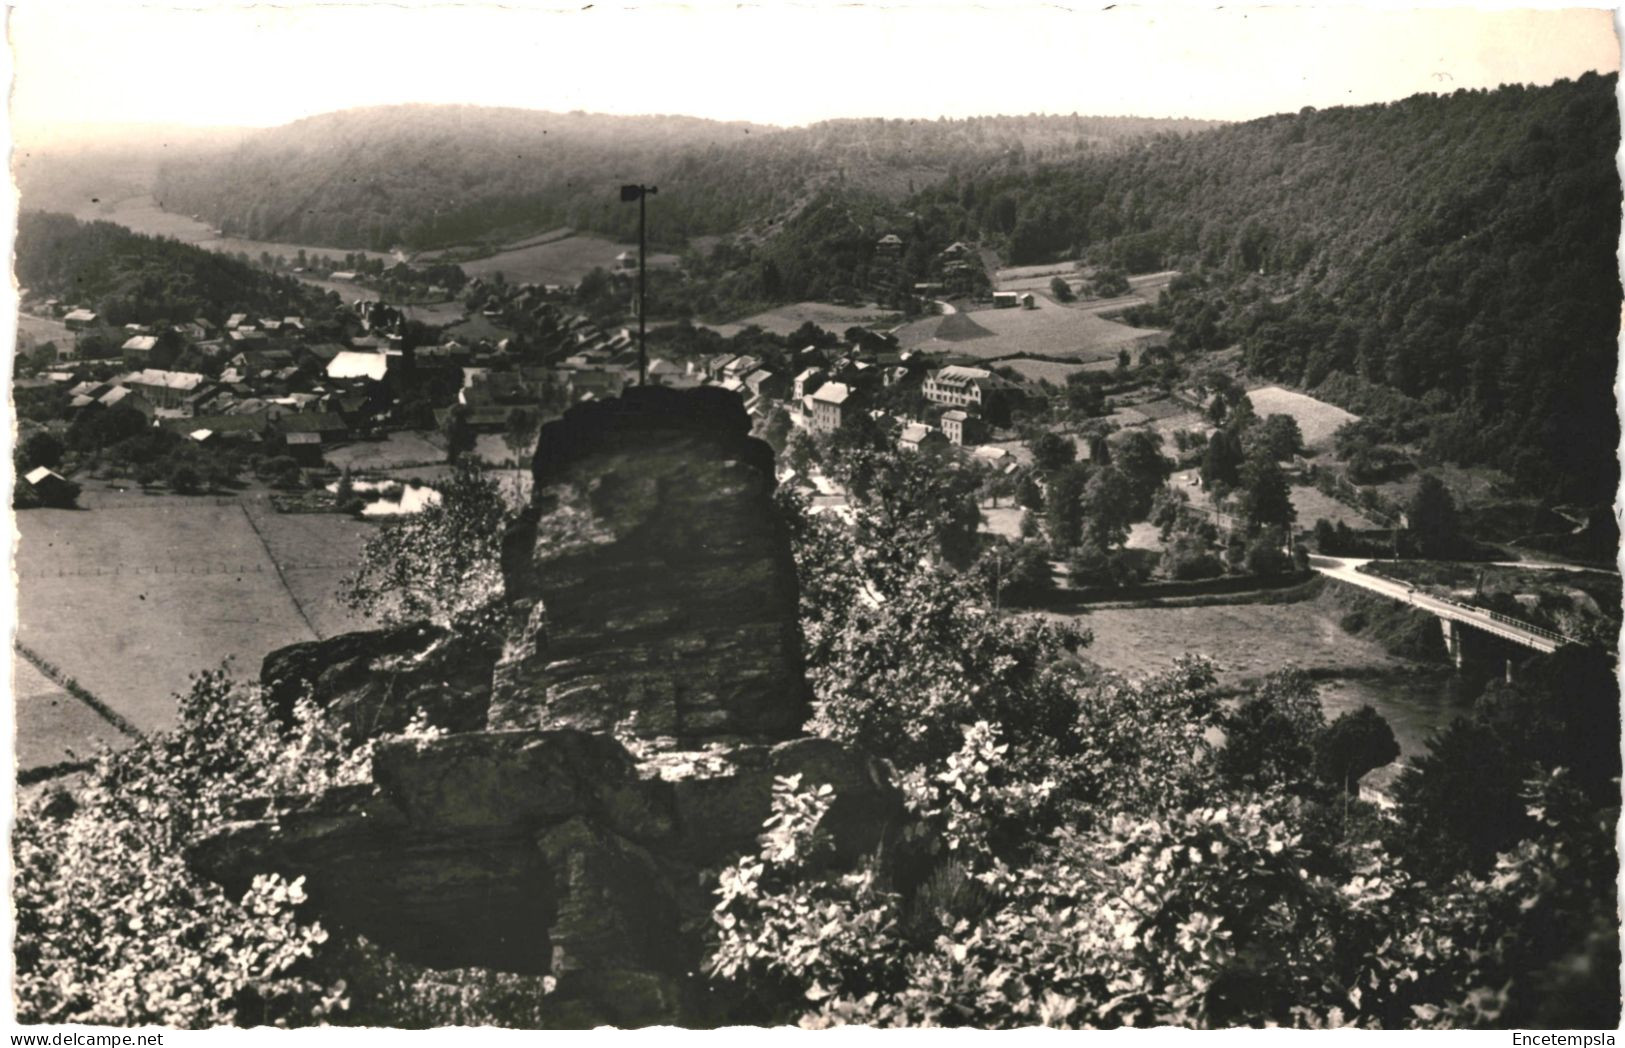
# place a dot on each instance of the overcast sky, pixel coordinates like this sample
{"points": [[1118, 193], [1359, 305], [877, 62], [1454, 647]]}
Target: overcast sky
{"points": [[262, 65]]}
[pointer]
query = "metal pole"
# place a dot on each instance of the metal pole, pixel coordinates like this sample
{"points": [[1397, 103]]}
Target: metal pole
{"points": [[643, 286]]}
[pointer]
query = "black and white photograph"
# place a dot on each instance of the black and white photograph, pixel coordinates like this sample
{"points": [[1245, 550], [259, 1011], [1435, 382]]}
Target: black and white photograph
{"points": [[980, 516]]}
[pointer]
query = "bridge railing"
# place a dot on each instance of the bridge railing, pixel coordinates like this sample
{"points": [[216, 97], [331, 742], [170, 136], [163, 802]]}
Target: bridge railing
{"points": [[1505, 620]]}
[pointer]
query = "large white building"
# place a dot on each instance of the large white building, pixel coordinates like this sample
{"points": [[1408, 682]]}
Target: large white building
{"points": [[961, 386]]}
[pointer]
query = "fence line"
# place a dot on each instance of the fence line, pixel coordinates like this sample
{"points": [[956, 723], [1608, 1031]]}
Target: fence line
{"points": [[77, 690], [120, 570]]}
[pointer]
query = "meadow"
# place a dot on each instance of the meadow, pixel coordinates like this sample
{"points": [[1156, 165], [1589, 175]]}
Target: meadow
{"points": [[142, 214], [1317, 419], [784, 320], [1050, 330], [563, 261], [1312, 504], [135, 594], [52, 726]]}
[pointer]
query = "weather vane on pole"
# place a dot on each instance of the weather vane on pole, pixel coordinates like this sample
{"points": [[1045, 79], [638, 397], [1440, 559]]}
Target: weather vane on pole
{"points": [[640, 194]]}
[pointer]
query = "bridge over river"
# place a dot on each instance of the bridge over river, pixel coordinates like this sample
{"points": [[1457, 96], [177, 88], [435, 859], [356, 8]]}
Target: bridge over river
{"points": [[1452, 614]]}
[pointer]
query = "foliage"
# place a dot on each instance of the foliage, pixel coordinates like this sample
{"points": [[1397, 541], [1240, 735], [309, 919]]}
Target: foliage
{"points": [[127, 277], [440, 563], [1432, 518], [1266, 499], [112, 925], [1355, 743]]}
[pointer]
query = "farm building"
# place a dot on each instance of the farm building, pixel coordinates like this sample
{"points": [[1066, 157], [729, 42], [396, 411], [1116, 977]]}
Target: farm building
{"points": [[51, 488], [1006, 300], [80, 319]]}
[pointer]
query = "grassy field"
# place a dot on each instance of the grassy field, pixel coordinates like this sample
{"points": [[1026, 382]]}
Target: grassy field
{"points": [[1244, 640], [36, 331], [476, 327], [53, 726], [183, 584], [830, 317], [393, 452], [1049, 330], [563, 261], [143, 215], [1046, 370], [1002, 520], [436, 314], [1317, 419], [1312, 504], [314, 551]]}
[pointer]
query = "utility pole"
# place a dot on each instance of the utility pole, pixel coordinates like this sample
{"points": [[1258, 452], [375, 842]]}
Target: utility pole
{"points": [[641, 193]]}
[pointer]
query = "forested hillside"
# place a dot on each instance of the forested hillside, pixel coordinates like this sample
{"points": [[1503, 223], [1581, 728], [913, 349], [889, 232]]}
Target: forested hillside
{"points": [[1459, 249], [130, 278], [431, 176]]}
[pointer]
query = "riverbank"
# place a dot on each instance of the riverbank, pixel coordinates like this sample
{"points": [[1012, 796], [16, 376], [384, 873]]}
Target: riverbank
{"points": [[1301, 629]]}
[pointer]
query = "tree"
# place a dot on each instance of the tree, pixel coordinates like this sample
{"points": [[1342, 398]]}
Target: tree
{"points": [[1108, 509], [184, 480], [1270, 737], [519, 431], [1029, 495], [458, 433], [1060, 290], [1052, 451], [440, 563], [1277, 436], [1138, 457], [1015, 572], [1432, 518], [1266, 498], [776, 429], [1355, 743], [1063, 507], [40, 449], [1221, 463]]}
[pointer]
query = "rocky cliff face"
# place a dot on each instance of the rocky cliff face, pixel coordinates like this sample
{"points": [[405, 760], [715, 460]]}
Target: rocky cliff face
{"points": [[651, 582], [618, 751]]}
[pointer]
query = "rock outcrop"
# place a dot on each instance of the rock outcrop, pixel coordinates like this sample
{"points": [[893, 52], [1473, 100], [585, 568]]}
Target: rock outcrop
{"points": [[375, 682], [619, 751], [651, 579]]}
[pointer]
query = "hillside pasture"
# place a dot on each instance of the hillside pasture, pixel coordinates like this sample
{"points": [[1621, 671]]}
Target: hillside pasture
{"points": [[1317, 419], [1050, 330], [1312, 504], [36, 331], [1053, 372], [784, 320], [315, 551], [52, 726], [133, 597], [563, 261]]}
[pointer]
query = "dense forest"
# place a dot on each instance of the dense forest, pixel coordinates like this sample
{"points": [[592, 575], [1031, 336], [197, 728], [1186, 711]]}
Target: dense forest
{"points": [[434, 176], [130, 278], [1458, 249]]}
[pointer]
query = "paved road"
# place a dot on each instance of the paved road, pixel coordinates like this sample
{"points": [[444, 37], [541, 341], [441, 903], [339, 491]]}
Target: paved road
{"points": [[1346, 569]]}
